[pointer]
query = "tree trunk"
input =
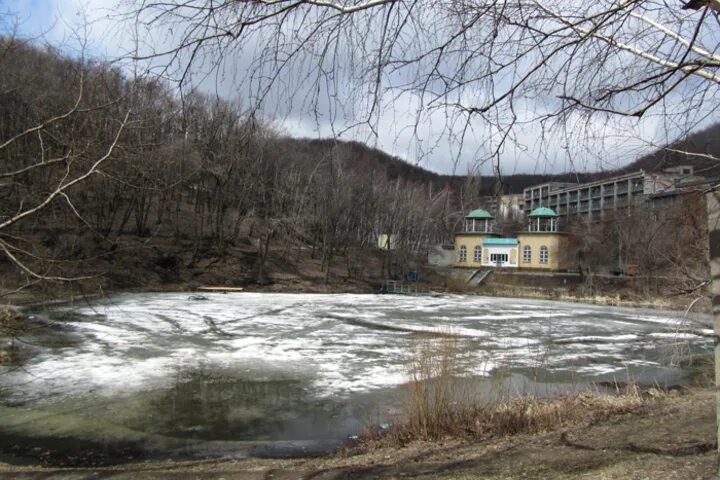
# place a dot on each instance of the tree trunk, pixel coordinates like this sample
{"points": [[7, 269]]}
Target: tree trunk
{"points": [[713, 213]]}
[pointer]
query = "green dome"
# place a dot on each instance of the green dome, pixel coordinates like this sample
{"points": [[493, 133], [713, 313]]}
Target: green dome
{"points": [[479, 213], [543, 212]]}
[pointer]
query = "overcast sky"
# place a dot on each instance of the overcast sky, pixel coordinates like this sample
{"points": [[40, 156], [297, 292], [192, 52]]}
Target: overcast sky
{"points": [[597, 145]]}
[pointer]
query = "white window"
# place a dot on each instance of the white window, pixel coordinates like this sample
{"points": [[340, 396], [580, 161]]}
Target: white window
{"points": [[544, 256], [527, 254], [477, 254], [463, 254]]}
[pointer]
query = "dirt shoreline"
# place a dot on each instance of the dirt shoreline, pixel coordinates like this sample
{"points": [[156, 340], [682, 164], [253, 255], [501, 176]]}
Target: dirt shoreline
{"points": [[64, 296], [672, 438]]}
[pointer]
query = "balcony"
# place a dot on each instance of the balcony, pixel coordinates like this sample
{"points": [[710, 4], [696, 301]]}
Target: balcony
{"points": [[595, 192], [542, 225], [480, 227]]}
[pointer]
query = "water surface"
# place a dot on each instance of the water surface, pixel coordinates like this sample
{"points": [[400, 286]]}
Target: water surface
{"points": [[166, 374]]}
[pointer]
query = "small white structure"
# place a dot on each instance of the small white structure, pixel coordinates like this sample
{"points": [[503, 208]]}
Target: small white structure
{"points": [[500, 252], [387, 241]]}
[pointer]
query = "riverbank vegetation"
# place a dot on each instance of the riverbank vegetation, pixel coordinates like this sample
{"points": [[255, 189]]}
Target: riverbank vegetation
{"points": [[438, 404]]}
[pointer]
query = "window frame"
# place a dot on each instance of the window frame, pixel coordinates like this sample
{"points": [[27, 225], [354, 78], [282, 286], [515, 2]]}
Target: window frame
{"points": [[462, 254], [527, 254], [477, 254], [544, 254]]}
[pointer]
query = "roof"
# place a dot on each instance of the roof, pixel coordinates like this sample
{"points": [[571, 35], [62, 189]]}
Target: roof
{"points": [[543, 212], [500, 241], [479, 213]]}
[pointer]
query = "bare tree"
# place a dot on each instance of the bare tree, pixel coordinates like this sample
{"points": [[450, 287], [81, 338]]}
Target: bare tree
{"points": [[500, 64], [48, 156], [472, 64]]}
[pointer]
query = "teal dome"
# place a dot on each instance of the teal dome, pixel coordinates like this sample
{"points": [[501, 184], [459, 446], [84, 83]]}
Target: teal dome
{"points": [[543, 212], [479, 213]]}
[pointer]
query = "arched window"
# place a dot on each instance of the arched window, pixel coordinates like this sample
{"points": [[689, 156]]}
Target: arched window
{"points": [[527, 254], [477, 254], [544, 255], [463, 254]]}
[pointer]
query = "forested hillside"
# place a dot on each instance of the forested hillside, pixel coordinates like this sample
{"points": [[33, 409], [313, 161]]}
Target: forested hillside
{"points": [[120, 180], [101, 170]]}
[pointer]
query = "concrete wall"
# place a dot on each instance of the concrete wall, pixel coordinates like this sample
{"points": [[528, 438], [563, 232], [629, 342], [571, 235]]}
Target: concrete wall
{"points": [[441, 256], [557, 244]]}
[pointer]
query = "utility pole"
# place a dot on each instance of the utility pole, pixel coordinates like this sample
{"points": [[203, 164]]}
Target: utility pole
{"points": [[713, 212]]}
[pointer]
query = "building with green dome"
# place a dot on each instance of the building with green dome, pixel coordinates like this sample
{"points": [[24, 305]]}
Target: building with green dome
{"points": [[540, 246]]}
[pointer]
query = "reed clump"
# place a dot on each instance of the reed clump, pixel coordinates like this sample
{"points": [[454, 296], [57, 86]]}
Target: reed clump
{"points": [[440, 405]]}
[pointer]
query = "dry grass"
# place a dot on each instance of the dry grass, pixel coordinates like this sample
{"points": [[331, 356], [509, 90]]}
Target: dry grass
{"points": [[12, 322], [439, 404]]}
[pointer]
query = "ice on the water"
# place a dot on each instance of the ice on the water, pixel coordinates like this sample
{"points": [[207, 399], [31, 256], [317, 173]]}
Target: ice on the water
{"points": [[338, 343]]}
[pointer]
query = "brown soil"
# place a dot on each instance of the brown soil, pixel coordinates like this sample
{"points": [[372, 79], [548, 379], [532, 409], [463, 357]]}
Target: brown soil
{"points": [[166, 263], [673, 438]]}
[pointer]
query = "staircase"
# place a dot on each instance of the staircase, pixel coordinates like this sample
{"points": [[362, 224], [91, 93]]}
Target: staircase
{"points": [[476, 279]]}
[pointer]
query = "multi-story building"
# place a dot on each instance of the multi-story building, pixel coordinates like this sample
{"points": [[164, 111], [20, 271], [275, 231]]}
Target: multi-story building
{"points": [[592, 199]]}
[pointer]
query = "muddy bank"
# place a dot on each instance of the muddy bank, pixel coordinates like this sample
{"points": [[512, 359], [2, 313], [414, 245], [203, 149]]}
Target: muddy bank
{"points": [[633, 292], [673, 438]]}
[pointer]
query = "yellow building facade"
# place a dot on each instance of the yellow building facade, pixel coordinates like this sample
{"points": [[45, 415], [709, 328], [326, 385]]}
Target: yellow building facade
{"points": [[478, 225], [468, 249], [540, 247], [543, 250]]}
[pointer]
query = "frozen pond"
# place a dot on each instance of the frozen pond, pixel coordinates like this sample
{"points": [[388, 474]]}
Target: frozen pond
{"points": [[170, 372]]}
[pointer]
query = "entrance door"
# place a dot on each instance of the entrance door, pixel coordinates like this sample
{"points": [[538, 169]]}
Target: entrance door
{"points": [[499, 259]]}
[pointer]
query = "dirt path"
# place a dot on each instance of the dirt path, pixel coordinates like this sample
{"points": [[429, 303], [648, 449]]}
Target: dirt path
{"points": [[673, 439]]}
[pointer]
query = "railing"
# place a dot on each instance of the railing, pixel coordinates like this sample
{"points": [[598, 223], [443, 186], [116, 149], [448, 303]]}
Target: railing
{"points": [[546, 227], [480, 229], [401, 288]]}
